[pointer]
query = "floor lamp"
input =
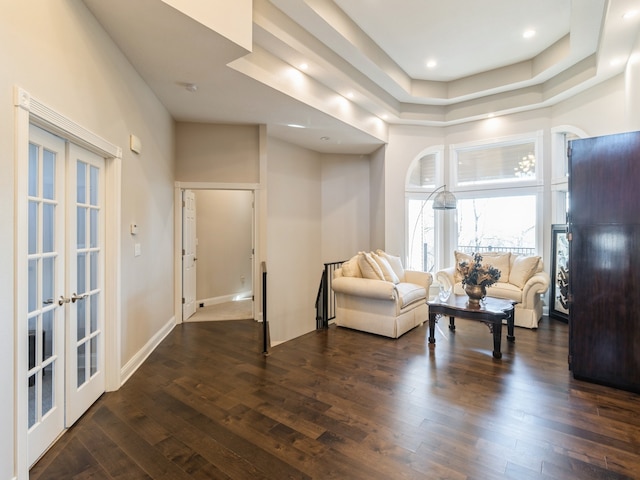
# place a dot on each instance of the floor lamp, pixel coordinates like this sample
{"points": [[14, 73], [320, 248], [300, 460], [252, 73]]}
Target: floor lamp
{"points": [[444, 200]]}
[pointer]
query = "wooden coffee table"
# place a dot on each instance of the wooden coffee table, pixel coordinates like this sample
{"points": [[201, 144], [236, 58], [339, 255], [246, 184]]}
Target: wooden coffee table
{"points": [[492, 312]]}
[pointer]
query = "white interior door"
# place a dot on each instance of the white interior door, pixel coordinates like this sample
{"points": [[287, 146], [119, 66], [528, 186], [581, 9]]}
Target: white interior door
{"points": [[188, 254], [65, 286], [46, 285], [85, 248]]}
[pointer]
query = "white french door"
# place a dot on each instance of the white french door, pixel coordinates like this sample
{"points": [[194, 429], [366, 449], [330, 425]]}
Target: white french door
{"points": [[85, 380], [65, 286], [188, 254]]}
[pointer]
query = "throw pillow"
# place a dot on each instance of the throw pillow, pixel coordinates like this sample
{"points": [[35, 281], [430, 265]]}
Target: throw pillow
{"points": [[350, 268], [499, 260], [460, 257], [369, 267], [387, 271], [522, 270], [394, 262]]}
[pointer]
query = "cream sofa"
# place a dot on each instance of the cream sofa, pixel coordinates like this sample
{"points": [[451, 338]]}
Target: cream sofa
{"points": [[522, 279], [375, 294]]}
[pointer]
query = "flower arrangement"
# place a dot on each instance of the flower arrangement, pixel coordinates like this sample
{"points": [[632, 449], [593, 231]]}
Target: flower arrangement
{"points": [[474, 273]]}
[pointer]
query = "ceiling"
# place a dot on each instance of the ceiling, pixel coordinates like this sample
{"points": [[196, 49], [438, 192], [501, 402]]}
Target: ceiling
{"points": [[367, 62]]}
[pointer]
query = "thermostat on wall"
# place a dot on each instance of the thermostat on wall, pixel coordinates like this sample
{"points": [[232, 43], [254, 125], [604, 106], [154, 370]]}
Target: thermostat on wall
{"points": [[135, 144]]}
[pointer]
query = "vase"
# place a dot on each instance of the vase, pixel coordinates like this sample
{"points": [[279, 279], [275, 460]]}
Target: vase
{"points": [[475, 294]]}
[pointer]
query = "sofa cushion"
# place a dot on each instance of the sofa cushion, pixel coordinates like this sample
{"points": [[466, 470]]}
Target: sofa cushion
{"points": [[505, 290], [350, 268], [460, 257], [499, 260], [410, 292], [387, 271], [369, 267], [394, 262], [523, 269]]}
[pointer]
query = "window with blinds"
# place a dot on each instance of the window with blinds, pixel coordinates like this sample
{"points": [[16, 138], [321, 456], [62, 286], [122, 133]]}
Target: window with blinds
{"points": [[497, 163]]}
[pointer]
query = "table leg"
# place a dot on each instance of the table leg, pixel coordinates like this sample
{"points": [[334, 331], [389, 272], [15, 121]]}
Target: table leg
{"points": [[452, 323], [432, 327], [510, 326], [497, 339]]}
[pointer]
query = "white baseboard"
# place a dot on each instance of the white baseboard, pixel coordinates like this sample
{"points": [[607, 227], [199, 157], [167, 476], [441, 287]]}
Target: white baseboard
{"points": [[206, 302], [138, 359]]}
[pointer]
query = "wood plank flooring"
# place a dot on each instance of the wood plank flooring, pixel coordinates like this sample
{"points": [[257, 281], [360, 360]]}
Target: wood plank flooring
{"points": [[341, 404]]}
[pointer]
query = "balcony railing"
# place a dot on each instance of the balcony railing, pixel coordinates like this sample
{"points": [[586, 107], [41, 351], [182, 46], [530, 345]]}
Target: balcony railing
{"points": [[326, 298], [489, 248]]}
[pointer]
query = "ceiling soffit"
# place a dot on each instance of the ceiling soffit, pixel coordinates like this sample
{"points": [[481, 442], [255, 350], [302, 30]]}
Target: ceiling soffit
{"points": [[344, 57]]}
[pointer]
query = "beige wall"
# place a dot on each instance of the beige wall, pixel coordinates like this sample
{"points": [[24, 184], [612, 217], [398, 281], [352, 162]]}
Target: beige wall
{"points": [[223, 230], [59, 54], [217, 153], [345, 206], [294, 260]]}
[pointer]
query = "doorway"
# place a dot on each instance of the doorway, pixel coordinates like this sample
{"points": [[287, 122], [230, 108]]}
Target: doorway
{"points": [[218, 254], [67, 252], [65, 286]]}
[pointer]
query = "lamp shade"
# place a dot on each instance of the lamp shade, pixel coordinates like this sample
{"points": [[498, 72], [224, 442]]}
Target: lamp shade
{"points": [[445, 200]]}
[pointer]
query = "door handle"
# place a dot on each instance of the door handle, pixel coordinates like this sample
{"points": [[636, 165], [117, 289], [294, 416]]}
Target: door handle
{"points": [[62, 300], [75, 297]]}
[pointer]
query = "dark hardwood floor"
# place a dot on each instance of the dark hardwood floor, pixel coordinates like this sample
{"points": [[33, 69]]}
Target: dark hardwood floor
{"points": [[348, 405]]}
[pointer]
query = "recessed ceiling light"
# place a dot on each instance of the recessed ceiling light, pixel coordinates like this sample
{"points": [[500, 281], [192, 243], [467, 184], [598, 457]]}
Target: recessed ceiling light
{"points": [[432, 64], [384, 116], [630, 14], [529, 33], [324, 139], [304, 66], [295, 125], [350, 95]]}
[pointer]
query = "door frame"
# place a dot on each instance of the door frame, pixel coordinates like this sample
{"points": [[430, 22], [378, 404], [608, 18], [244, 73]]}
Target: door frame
{"points": [[29, 110], [178, 189]]}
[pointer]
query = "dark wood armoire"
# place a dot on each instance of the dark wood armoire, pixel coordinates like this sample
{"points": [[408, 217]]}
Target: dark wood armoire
{"points": [[604, 260]]}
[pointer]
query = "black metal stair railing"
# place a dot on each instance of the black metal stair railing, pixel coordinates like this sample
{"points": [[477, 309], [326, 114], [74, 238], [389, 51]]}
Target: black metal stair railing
{"points": [[326, 298]]}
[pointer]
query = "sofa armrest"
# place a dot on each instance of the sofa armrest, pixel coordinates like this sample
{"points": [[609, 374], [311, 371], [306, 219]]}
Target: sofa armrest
{"points": [[536, 285], [446, 278], [364, 287], [424, 279]]}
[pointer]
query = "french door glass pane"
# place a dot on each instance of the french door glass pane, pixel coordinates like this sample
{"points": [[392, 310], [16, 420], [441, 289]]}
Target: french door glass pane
{"points": [[32, 400], [93, 182], [48, 227], [48, 174], [82, 227], [81, 284], [48, 279], [81, 365], [93, 227], [93, 270], [47, 334], [33, 170], [497, 223], [47, 388], [93, 347], [33, 227], [33, 286], [82, 314], [93, 316], [82, 182]]}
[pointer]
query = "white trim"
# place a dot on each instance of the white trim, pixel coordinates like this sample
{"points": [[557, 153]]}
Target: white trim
{"points": [[141, 355], [30, 110], [207, 302]]}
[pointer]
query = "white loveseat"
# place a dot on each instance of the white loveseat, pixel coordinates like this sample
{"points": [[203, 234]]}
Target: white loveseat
{"points": [[522, 280], [375, 294]]}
